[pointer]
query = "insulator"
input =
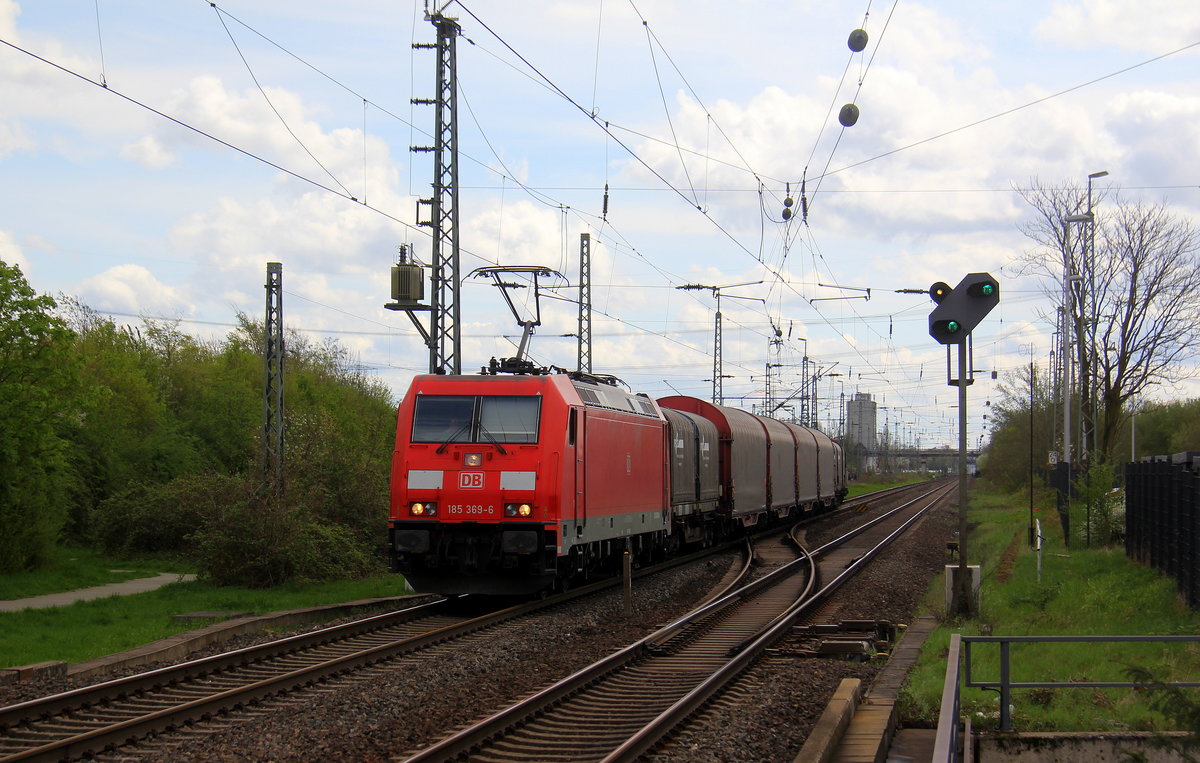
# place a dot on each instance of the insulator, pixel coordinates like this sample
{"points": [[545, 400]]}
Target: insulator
{"points": [[788, 202], [787, 214], [858, 40], [605, 212], [848, 116]]}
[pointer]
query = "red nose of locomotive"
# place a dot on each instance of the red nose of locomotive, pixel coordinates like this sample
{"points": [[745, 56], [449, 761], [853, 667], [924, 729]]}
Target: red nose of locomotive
{"points": [[471, 485], [466, 485]]}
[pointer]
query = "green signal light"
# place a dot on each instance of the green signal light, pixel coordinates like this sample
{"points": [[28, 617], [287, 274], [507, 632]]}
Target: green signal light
{"points": [[952, 327], [988, 289]]}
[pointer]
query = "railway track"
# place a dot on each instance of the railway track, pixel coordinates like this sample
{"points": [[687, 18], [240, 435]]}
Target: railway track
{"points": [[96, 719], [619, 707], [93, 719], [111, 716]]}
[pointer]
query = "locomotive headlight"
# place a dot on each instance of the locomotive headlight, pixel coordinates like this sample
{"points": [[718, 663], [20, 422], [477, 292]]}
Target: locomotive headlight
{"points": [[472, 459], [419, 509], [518, 510]]}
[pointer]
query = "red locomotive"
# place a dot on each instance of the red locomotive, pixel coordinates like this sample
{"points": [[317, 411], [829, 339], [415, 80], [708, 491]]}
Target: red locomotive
{"points": [[518, 484]]}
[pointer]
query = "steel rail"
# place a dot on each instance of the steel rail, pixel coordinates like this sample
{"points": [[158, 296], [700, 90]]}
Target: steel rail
{"points": [[467, 740], [14, 715], [640, 743], [27, 714]]}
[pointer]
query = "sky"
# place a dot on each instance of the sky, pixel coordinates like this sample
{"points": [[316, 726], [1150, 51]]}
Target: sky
{"points": [[155, 156]]}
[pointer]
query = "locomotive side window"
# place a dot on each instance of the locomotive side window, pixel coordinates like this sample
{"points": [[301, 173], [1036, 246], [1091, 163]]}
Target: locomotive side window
{"points": [[443, 418], [509, 419]]}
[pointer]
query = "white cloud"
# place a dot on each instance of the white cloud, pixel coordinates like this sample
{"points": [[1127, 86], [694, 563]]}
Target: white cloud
{"points": [[13, 138], [516, 233], [1158, 132], [148, 152], [132, 289], [284, 132], [1147, 26], [9, 11], [11, 253]]}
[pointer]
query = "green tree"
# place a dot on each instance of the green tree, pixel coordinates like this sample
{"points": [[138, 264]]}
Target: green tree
{"points": [[128, 433], [1008, 463], [39, 396]]}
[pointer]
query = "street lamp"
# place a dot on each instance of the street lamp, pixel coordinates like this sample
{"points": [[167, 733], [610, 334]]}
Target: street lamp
{"points": [[1070, 278], [1088, 443]]}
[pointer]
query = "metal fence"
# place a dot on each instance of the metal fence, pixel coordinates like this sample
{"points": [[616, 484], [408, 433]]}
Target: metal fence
{"points": [[1162, 518], [959, 674], [946, 745]]}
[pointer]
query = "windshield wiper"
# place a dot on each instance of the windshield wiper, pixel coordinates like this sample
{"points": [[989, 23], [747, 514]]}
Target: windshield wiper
{"points": [[453, 437], [483, 431]]}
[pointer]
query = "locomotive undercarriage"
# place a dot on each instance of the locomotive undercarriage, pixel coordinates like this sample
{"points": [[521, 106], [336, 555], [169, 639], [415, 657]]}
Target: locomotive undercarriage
{"points": [[519, 559], [604, 558], [479, 559]]}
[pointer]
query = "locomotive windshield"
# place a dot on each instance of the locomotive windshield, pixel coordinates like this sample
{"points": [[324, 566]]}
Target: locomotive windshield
{"points": [[476, 418]]}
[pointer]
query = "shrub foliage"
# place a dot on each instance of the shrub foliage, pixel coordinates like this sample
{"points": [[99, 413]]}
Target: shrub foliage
{"points": [[146, 439]]}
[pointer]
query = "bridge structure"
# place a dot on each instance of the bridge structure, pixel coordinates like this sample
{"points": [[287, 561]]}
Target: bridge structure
{"points": [[915, 453]]}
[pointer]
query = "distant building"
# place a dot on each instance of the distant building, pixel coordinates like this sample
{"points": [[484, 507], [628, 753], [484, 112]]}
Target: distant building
{"points": [[861, 433], [860, 420]]}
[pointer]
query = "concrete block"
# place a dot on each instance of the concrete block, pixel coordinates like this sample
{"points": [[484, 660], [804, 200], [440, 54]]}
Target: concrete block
{"points": [[49, 669]]}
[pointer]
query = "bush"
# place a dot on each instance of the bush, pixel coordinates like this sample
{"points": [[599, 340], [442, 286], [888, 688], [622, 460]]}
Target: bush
{"points": [[1100, 507], [262, 543], [163, 517]]}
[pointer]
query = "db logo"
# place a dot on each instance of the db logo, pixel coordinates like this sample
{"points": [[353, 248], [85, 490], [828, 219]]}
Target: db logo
{"points": [[470, 480]]}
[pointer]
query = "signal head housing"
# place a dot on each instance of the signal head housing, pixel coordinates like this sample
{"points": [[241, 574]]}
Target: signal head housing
{"points": [[960, 310]]}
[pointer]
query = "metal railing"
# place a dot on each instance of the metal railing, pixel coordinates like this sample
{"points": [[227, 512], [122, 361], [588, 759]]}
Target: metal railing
{"points": [[957, 675], [945, 744]]}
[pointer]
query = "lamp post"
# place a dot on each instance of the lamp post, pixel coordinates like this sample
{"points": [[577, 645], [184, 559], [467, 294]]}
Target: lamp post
{"points": [[1032, 382], [1090, 375], [1070, 279]]}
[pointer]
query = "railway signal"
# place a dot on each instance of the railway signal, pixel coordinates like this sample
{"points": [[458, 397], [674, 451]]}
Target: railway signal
{"points": [[959, 310]]}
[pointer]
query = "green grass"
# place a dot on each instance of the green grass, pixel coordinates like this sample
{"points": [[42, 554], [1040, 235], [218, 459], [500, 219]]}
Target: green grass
{"points": [[1095, 591], [881, 481], [70, 568], [95, 628]]}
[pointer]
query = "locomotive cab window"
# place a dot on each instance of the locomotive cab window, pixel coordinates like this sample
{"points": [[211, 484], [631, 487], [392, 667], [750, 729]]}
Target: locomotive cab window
{"points": [[497, 419], [509, 419]]}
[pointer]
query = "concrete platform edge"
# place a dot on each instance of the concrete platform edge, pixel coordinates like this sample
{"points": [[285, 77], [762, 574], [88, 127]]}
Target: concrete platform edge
{"points": [[867, 735], [823, 740]]}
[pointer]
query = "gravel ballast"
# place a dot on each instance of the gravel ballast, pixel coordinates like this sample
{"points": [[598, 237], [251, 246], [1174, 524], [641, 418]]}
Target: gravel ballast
{"points": [[385, 711]]}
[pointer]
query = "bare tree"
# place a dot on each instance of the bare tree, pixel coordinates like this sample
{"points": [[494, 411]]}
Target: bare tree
{"points": [[1133, 317], [1148, 307]]}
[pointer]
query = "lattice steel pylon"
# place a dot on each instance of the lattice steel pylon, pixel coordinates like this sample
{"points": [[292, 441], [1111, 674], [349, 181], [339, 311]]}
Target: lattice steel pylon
{"points": [[272, 431], [445, 340], [718, 374], [584, 353]]}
